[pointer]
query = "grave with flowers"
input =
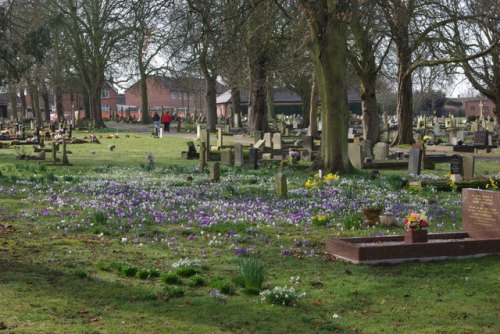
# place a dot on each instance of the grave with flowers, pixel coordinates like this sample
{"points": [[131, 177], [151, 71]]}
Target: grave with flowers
{"points": [[480, 236]]}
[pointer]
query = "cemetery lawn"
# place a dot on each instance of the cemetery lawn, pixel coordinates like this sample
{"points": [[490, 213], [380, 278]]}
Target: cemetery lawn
{"points": [[116, 244]]}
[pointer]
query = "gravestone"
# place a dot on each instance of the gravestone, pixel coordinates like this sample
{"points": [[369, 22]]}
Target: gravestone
{"points": [[460, 135], [415, 161], [257, 136], [203, 155], [490, 127], [456, 165], [254, 155], [277, 145], [452, 137], [480, 138], [308, 143], [468, 167], [350, 134], [381, 151], [215, 172], [64, 160], [474, 127], [305, 155], [366, 147], [267, 139], [481, 213], [281, 186], [191, 152], [219, 137], [355, 155], [55, 148], [238, 155], [198, 131], [435, 129], [226, 157], [384, 136], [259, 143]]}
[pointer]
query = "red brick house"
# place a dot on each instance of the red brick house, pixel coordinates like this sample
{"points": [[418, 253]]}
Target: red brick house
{"points": [[470, 106], [183, 95]]}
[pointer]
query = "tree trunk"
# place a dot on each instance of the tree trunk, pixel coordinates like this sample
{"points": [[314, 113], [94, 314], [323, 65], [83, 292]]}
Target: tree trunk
{"points": [[211, 102], [46, 103], [371, 120], [236, 102], [35, 102], [144, 93], [24, 105], [13, 101], [257, 120], [497, 110], [313, 108], [404, 104], [330, 63], [59, 104], [269, 97]]}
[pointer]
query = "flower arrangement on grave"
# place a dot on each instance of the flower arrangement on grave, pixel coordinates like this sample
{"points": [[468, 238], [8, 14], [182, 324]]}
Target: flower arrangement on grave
{"points": [[331, 178], [416, 222], [493, 184]]}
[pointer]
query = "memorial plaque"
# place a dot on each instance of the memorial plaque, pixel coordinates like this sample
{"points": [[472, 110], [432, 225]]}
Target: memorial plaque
{"points": [[481, 213], [456, 164]]}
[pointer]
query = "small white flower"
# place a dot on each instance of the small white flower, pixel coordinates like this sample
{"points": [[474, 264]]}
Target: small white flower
{"points": [[336, 316]]}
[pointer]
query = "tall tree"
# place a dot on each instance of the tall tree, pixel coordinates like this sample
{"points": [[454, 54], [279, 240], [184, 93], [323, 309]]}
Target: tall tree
{"points": [[328, 23], [93, 30]]}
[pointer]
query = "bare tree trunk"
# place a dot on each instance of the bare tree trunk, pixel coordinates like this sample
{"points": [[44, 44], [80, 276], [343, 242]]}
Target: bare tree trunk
{"points": [[258, 74], [211, 102], [35, 101], [13, 101], [144, 92], [59, 104], [46, 103], [313, 108], [405, 99], [236, 101], [371, 120], [24, 105]]}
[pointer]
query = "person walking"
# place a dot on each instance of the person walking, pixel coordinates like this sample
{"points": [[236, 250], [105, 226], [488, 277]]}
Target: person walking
{"points": [[166, 120], [156, 122]]}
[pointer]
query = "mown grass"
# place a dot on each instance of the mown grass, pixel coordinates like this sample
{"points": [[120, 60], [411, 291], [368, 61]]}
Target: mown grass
{"points": [[54, 280]]}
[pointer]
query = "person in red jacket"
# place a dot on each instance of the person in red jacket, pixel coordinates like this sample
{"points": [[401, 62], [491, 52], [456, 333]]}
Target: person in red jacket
{"points": [[166, 120]]}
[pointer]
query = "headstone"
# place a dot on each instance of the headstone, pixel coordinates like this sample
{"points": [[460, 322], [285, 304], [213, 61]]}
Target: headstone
{"points": [[267, 139], [238, 155], [452, 135], [198, 131], [203, 155], [277, 145], [381, 151], [219, 137], [474, 127], [295, 124], [64, 160], [366, 146], [435, 129], [384, 136], [305, 155], [468, 167], [215, 172], [460, 135], [481, 213], [480, 138], [257, 136], [281, 186], [355, 155], [415, 161], [225, 157], [350, 134], [447, 123], [456, 164], [254, 155], [308, 143], [54, 152], [259, 143]]}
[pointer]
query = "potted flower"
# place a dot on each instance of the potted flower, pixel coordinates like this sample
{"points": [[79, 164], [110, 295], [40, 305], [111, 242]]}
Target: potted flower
{"points": [[331, 178], [372, 211], [416, 225]]}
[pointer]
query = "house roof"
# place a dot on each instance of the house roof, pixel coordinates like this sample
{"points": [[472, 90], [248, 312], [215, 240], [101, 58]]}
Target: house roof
{"points": [[282, 96], [181, 84]]}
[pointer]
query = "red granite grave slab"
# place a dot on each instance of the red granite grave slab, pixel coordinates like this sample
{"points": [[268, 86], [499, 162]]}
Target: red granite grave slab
{"points": [[392, 249], [481, 213]]}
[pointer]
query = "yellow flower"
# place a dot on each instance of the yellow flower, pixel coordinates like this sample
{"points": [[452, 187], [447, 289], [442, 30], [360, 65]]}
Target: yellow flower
{"points": [[332, 177], [310, 184]]}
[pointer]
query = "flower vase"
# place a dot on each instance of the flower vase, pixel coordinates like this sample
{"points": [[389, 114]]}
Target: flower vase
{"points": [[371, 215], [416, 236]]}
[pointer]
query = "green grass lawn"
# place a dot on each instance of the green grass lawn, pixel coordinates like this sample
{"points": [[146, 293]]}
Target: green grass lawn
{"points": [[81, 248]]}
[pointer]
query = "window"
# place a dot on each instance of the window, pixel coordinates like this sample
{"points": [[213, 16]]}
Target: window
{"points": [[104, 107], [104, 93], [174, 95]]}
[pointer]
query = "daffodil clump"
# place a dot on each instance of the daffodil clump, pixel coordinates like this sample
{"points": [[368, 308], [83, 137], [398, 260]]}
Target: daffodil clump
{"points": [[493, 184]]}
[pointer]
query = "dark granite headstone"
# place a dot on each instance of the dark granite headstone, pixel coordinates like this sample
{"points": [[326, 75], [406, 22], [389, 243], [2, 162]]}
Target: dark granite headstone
{"points": [[456, 164], [415, 161], [481, 213], [254, 154], [480, 138]]}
